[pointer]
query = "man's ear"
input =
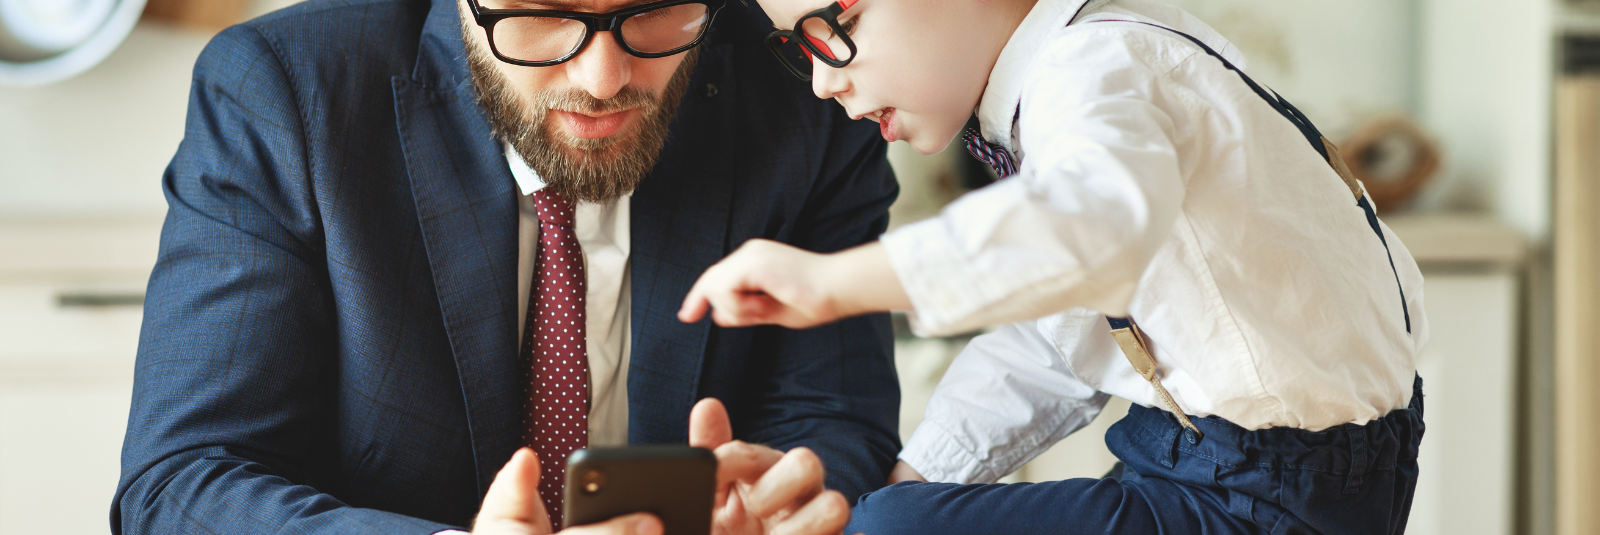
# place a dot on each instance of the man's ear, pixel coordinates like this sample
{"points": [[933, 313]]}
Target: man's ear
{"points": [[709, 426]]}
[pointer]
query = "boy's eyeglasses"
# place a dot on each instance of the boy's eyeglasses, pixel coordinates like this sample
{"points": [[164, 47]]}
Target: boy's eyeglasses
{"points": [[817, 36], [545, 37]]}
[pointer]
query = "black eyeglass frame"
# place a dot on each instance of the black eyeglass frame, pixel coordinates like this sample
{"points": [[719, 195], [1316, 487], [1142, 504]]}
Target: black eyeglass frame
{"points": [[592, 23], [830, 15]]}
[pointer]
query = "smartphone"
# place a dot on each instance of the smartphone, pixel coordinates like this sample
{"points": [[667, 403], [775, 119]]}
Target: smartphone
{"points": [[677, 483]]}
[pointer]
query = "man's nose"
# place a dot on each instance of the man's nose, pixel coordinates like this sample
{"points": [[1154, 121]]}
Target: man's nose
{"points": [[827, 82], [603, 68]]}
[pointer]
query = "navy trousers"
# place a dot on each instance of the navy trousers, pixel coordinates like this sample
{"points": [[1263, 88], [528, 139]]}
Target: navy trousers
{"points": [[1349, 479]]}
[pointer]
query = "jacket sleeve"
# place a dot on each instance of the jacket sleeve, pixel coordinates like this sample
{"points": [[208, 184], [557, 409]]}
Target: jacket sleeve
{"points": [[1007, 398], [833, 388], [236, 351]]}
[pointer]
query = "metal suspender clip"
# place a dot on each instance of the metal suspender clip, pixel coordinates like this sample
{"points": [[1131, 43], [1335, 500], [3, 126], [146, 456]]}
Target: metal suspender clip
{"points": [[1337, 161], [1132, 342]]}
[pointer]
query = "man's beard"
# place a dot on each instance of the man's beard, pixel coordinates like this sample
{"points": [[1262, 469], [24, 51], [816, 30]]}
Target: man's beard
{"points": [[603, 169]]}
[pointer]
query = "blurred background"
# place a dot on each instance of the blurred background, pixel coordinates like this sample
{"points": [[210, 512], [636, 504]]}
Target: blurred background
{"points": [[1475, 124]]}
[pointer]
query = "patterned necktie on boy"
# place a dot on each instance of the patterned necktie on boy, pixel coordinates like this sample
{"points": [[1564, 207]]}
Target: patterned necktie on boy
{"points": [[994, 155]]}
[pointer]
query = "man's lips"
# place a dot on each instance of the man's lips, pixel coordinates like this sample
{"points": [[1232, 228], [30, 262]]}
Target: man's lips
{"points": [[593, 127]]}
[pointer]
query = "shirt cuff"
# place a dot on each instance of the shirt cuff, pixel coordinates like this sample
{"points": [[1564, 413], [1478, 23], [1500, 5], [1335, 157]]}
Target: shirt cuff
{"points": [[941, 457]]}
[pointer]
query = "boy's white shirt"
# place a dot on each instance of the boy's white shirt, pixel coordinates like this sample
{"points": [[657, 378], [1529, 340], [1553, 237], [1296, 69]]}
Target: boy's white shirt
{"points": [[1152, 182]]}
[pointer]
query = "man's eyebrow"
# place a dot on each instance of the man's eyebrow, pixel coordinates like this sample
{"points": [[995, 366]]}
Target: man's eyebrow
{"points": [[569, 5]]}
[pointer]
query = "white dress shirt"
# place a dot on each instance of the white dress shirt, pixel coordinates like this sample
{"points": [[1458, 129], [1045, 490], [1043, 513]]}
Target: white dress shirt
{"points": [[603, 234], [1152, 183]]}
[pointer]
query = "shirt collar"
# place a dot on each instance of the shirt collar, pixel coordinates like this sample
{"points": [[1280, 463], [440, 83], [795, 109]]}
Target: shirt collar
{"points": [[998, 107], [528, 180]]}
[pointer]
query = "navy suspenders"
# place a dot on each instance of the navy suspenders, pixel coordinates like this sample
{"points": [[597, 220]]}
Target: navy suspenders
{"points": [[1127, 333]]}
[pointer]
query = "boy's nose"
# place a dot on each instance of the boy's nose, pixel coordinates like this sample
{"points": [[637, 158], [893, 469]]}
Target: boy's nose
{"points": [[827, 82], [603, 68]]}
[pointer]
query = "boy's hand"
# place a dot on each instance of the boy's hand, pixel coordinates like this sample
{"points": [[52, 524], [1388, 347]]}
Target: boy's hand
{"points": [[769, 283]]}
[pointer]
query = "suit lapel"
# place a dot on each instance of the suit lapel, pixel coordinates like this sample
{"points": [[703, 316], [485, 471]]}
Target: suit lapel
{"points": [[679, 226], [467, 209]]}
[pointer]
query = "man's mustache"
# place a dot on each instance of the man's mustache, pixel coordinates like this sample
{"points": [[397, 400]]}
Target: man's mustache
{"points": [[576, 100]]}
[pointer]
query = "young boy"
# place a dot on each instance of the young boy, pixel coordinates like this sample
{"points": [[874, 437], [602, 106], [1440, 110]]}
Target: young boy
{"points": [[1167, 231]]}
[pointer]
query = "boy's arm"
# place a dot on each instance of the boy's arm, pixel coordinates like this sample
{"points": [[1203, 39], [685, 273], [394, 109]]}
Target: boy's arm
{"points": [[1098, 192], [1006, 398], [833, 388]]}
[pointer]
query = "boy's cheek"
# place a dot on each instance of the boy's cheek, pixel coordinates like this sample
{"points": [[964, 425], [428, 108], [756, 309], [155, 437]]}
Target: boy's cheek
{"points": [[774, 11], [924, 136]]}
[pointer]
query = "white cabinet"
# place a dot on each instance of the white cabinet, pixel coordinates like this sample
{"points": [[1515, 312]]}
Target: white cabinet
{"points": [[1469, 373], [69, 327]]}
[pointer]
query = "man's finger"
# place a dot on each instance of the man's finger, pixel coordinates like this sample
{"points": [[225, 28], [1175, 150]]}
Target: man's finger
{"points": [[827, 513], [629, 524], [743, 461], [708, 424], [513, 496], [789, 483]]}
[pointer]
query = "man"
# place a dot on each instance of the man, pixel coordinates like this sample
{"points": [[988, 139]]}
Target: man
{"points": [[370, 293]]}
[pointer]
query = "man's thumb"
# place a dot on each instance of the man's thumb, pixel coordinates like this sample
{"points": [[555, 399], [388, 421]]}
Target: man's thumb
{"points": [[513, 497], [708, 425]]}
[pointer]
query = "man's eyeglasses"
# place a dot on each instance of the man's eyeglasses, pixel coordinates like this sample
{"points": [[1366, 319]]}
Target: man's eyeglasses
{"points": [[545, 37], [817, 35]]}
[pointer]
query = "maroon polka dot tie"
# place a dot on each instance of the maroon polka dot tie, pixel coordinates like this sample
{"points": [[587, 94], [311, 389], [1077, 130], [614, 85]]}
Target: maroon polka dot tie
{"points": [[558, 390]]}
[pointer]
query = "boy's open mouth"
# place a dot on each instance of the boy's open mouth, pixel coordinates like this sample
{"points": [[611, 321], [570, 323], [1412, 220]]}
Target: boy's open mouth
{"points": [[885, 119]]}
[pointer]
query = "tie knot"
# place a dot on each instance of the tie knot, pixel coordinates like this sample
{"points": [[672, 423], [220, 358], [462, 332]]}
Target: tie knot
{"points": [[553, 208], [996, 156]]}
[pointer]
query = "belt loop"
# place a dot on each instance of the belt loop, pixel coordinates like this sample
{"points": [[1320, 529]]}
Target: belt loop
{"points": [[1360, 457], [1170, 435]]}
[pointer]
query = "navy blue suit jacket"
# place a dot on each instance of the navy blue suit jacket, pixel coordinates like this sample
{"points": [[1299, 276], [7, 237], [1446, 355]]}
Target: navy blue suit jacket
{"points": [[329, 343]]}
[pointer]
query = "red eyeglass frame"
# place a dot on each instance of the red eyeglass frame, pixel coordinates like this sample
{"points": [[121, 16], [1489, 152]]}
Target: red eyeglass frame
{"points": [[812, 47]]}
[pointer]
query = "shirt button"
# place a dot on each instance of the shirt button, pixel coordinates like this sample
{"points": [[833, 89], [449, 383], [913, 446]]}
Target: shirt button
{"points": [[711, 90]]}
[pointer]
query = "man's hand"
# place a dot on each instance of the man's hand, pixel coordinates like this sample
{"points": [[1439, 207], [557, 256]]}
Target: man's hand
{"points": [[769, 283], [761, 490], [512, 507]]}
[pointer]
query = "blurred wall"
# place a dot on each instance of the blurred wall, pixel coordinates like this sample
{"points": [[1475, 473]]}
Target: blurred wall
{"points": [[95, 146], [1340, 62], [1475, 73]]}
